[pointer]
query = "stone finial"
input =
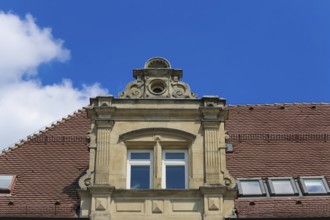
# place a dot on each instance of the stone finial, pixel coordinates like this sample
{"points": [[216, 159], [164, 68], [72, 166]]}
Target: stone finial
{"points": [[157, 63], [157, 80]]}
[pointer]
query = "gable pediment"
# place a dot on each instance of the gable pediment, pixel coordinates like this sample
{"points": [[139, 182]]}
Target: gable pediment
{"points": [[151, 135]]}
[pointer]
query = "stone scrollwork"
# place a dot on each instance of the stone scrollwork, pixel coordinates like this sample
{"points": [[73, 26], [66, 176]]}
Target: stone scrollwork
{"points": [[134, 89], [182, 90], [85, 181]]}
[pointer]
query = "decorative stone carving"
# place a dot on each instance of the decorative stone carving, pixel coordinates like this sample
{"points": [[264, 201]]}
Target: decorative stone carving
{"points": [[213, 204], [157, 206], [157, 80], [134, 89], [157, 62], [182, 90], [85, 181], [100, 204]]}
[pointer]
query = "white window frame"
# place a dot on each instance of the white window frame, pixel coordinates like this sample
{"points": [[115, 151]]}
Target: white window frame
{"points": [[140, 162], [174, 162]]}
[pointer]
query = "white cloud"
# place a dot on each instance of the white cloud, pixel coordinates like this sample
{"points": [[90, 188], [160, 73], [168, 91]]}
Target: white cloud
{"points": [[28, 105]]}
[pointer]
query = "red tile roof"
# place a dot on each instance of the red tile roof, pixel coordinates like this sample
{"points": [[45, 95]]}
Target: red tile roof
{"points": [[283, 207], [269, 141], [281, 140], [48, 166]]}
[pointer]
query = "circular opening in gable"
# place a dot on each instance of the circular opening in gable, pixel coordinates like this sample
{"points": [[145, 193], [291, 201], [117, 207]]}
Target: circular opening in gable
{"points": [[157, 87], [157, 90]]}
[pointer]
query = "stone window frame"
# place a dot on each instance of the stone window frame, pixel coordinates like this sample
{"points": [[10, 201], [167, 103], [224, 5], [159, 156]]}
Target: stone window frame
{"points": [[305, 190], [10, 188], [131, 162], [261, 185], [169, 162], [272, 191]]}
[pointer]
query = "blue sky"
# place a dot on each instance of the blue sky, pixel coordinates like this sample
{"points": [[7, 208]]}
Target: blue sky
{"points": [[245, 51]]}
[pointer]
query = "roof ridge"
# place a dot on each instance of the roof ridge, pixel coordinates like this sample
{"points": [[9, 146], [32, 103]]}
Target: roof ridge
{"points": [[284, 103], [42, 131]]}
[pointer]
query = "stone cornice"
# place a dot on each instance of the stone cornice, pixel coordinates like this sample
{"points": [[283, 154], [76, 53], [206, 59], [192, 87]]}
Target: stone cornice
{"points": [[101, 189], [217, 189], [157, 193], [138, 73]]}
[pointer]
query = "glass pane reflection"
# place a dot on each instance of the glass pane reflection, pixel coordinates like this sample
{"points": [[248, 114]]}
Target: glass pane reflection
{"points": [[282, 187], [251, 187], [140, 177], [140, 156], [314, 186], [5, 182], [174, 155], [175, 177]]}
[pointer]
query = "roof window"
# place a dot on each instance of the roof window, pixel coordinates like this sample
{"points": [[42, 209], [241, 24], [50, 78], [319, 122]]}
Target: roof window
{"points": [[312, 185], [251, 187], [6, 183], [282, 186]]}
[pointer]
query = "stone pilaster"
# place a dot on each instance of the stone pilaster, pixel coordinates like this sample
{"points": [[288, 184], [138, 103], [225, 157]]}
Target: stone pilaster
{"points": [[212, 121], [212, 159], [103, 140]]}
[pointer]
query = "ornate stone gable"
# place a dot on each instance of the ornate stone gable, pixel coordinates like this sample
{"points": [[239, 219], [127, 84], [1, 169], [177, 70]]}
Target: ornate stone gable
{"points": [[157, 80]]}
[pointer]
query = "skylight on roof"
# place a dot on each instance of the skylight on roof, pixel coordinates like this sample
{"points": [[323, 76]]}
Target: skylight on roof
{"points": [[6, 183], [282, 186], [314, 185], [251, 187]]}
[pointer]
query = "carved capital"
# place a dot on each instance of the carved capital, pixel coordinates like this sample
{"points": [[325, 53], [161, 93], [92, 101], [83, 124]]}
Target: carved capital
{"points": [[104, 112], [104, 123], [102, 101], [213, 101], [210, 124]]}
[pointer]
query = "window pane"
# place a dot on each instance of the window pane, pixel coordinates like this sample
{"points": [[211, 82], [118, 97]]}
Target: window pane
{"points": [[5, 182], [314, 185], [140, 156], [140, 177], [282, 187], [174, 155], [175, 177], [251, 187]]}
